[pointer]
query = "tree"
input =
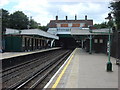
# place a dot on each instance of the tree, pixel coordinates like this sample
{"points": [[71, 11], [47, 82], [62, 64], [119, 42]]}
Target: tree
{"points": [[4, 17], [18, 20], [5, 20], [115, 7], [44, 28], [33, 24], [102, 25]]}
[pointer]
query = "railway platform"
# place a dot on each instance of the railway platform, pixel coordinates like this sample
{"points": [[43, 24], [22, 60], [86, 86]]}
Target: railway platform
{"points": [[84, 70], [16, 54], [11, 59]]}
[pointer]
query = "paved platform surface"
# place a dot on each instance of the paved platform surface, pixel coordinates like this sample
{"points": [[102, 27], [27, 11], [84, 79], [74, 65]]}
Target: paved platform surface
{"points": [[86, 71], [15, 54]]}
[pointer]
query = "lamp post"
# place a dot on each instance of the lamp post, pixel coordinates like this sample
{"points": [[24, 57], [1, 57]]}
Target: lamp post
{"points": [[109, 64]]}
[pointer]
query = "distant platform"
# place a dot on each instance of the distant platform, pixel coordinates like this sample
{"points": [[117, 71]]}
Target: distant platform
{"points": [[15, 54]]}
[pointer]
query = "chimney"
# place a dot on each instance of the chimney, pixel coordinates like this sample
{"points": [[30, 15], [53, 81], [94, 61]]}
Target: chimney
{"points": [[56, 17], [86, 21], [85, 17], [66, 18], [75, 17]]}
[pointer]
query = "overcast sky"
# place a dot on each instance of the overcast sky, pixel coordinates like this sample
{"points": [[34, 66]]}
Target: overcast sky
{"points": [[43, 11]]}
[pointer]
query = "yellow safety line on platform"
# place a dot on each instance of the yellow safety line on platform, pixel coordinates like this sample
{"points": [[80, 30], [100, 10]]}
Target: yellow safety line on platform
{"points": [[63, 71]]}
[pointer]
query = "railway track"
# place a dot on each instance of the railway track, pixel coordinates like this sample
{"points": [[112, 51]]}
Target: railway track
{"points": [[19, 69], [15, 74], [33, 71]]}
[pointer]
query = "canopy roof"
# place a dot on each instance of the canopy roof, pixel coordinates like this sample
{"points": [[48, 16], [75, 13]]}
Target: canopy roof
{"points": [[30, 32]]}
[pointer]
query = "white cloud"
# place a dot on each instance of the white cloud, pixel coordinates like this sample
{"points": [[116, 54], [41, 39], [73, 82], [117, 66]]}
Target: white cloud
{"points": [[43, 19], [95, 11], [43, 11], [83, 8], [87, 1], [31, 5], [34, 8], [3, 2], [6, 2]]}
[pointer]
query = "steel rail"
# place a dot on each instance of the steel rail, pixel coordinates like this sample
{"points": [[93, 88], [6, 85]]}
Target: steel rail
{"points": [[47, 73], [25, 66], [27, 78]]}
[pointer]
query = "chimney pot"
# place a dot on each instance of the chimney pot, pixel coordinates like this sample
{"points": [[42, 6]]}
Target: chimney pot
{"points": [[85, 17], [66, 18], [56, 17], [75, 17]]}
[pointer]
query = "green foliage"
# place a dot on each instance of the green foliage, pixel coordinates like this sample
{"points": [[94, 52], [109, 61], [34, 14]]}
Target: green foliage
{"points": [[33, 24], [110, 23], [44, 28], [18, 20], [115, 7], [102, 25], [5, 19]]}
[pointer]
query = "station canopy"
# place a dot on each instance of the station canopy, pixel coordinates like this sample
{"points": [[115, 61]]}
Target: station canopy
{"points": [[38, 32], [87, 31], [83, 33]]}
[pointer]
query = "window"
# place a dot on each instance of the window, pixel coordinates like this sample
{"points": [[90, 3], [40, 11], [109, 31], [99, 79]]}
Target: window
{"points": [[95, 40], [75, 25], [64, 25], [101, 40]]}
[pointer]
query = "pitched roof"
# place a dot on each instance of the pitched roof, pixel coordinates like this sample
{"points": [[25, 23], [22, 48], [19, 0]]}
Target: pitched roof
{"points": [[53, 23], [30, 32]]}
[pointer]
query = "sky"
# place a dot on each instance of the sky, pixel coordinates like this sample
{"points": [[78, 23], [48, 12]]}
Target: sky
{"points": [[42, 11]]}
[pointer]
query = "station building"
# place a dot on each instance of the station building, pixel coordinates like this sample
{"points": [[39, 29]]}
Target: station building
{"points": [[62, 28], [77, 33], [28, 39]]}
